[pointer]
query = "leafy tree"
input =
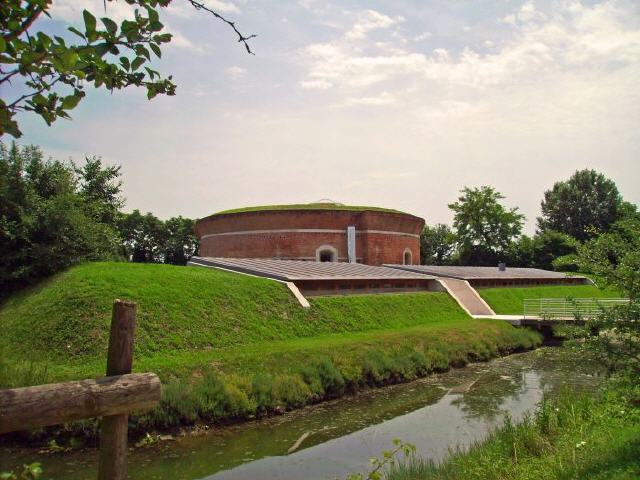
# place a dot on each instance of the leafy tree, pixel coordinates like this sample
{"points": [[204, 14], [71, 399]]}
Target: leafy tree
{"points": [[437, 244], [181, 243], [100, 187], [550, 245], [614, 336], [51, 72], [583, 206], [521, 252], [147, 239], [46, 223], [484, 227], [143, 237], [614, 257]]}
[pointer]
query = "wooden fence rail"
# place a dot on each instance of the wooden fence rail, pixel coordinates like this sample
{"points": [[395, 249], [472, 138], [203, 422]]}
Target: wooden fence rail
{"points": [[111, 398]]}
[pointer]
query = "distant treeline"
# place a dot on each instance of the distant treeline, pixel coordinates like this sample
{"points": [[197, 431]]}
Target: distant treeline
{"points": [[575, 213], [56, 214]]}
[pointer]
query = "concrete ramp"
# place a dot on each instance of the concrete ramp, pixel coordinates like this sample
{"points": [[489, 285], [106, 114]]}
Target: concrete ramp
{"points": [[466, 296]]}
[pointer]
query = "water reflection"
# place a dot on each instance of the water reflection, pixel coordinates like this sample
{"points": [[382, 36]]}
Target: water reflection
{"points": [[436, 414]]}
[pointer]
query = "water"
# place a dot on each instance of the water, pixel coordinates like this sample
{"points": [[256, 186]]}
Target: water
{"points": [[436, 414]]}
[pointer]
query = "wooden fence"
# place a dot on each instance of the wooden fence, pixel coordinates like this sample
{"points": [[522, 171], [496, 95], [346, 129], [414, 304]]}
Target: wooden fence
{"points": [[111, 397]]}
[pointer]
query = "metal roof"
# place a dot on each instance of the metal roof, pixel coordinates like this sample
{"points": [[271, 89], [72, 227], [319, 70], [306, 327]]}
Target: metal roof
{"points": [[484, 273], [292, 270]]}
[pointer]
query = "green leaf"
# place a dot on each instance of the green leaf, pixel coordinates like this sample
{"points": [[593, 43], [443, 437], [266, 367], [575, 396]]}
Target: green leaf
{"points": [[155, 26], [102, 49], [39, 100], [89, 23], [3, 45], [124, 61], [162, 38], [156, 49], [69, 58], [70, 102], [136, 63], [110, 25], [77, 32], [153, 15]]}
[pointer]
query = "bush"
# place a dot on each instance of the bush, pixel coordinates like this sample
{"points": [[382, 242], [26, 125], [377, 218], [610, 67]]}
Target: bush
{"points": [[330, 377], [291, 391]]}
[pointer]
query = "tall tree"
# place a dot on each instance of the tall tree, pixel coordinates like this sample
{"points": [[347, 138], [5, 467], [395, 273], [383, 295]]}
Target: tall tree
{"points": [[143, 237], [615, 257], [583, 207], [181, 243], [437, 244], [46, 223], [100, 186], [485, 228], [50, 72], [147, 239]]}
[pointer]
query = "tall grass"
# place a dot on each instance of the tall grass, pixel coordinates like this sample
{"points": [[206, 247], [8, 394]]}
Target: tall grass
{"points": [[572, 436]]}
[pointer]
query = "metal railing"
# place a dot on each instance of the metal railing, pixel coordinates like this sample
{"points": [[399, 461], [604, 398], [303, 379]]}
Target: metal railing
{"points": [[568, 308]]}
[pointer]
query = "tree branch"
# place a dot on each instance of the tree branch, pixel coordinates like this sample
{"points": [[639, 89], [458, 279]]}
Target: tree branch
{"points": [[46, 86], [241, 37], [25, 25]]}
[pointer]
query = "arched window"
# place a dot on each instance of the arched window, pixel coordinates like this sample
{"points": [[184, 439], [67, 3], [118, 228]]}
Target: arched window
{"points": [[326, 253], [407, 257]]}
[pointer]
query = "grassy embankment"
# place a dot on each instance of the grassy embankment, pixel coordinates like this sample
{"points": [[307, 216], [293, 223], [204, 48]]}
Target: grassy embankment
{"points": [[510, 301], [229, 346], [570, 437]]}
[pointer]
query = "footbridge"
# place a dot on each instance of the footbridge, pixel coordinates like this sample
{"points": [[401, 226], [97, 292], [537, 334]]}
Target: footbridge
{"points": [[554, 311]]}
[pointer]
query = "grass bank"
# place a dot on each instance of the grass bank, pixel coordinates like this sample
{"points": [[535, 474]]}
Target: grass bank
{"points": [[570, 437], [230, 347], [66, 319], [510, 301]]}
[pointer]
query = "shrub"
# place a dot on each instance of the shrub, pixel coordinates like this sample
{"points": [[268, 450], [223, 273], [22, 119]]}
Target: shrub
{"points": [[330, 377], [262, 392], [291, 390]]}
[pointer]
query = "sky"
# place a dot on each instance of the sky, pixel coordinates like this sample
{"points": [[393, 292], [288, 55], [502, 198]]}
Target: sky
{"points": [[397, 104]]}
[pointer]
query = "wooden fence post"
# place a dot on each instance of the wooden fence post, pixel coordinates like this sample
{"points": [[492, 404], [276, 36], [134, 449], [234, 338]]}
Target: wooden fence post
{"points": [[113, 434]]}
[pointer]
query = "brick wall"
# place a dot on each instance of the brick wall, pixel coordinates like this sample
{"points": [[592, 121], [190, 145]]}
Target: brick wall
{"points": [[372, 248]]}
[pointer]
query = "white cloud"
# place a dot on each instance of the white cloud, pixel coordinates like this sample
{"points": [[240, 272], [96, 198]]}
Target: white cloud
{"points": [[369, 20], [71, 10], [316, 84], [221, 6], [385, 98], [588, 37], [422, 36], [236, 72]]}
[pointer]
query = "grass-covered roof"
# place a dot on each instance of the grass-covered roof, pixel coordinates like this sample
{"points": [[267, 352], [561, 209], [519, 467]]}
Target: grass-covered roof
{"points": [[309, 206]]}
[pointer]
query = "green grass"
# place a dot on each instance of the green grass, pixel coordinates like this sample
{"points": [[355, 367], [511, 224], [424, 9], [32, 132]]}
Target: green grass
{"points": [[570, 437], [183, 309], [511, 300], [230, 346], [309, 206]]}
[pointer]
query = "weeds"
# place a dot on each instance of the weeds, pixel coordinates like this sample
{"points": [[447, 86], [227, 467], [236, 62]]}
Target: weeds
{"points": [[571, 436]]}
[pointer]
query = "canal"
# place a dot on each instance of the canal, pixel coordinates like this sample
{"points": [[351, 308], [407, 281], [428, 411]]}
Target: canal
{"points": [[437, 414]]}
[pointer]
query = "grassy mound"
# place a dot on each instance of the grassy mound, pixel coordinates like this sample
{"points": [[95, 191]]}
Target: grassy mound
{"points": [[511, 300], [67, 318], [229, 346]]}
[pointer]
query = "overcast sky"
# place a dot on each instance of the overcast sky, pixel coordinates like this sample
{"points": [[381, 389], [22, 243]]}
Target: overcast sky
{"points": [[389, 103]]}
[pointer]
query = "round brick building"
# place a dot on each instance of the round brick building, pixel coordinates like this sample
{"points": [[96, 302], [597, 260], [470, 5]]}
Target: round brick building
{"points": [[324, 232]]}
